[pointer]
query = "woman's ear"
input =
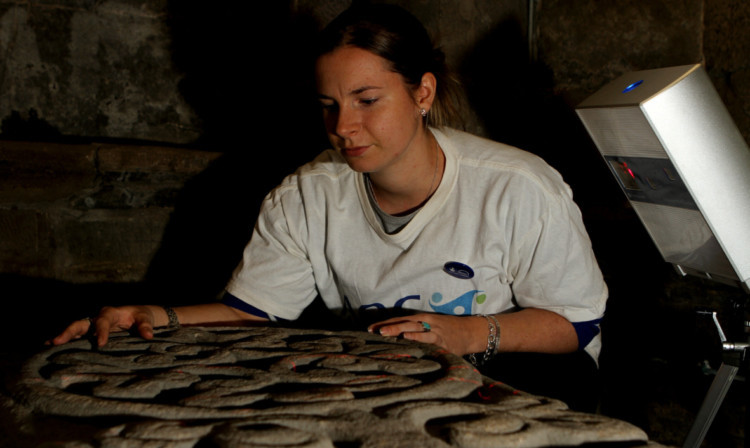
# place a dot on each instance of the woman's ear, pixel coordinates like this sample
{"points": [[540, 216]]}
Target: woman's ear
{"points": [[425, 93]]}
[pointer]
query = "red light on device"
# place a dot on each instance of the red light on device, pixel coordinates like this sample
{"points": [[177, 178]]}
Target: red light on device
{"points": [[625, 174], [625, 165]]}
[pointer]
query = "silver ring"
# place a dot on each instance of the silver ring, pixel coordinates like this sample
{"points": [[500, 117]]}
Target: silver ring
{"points": [[425, 326]]}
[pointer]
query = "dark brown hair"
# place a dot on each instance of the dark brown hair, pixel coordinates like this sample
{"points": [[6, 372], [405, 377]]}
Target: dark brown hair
{"points": [[398, 37]]}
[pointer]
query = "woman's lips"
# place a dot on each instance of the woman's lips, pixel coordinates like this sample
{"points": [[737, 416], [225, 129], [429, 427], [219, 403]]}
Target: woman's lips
{"points": [[354, 151]]}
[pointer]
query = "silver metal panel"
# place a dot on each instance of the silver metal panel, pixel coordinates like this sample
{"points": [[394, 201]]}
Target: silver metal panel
{"points": [[622, 131], [710, 154], [682, 119], [684, 238]]}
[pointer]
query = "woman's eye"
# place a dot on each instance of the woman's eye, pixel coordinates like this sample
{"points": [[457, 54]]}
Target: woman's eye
{"points": [[368, 101], [327, 106]]}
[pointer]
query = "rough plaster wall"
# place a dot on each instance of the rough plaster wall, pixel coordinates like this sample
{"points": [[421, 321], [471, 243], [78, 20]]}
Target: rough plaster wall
{"points": [[587, 42], [88, 213], [727, 53], [104, 69], [455, 26], [107, 69], [90, 69]]}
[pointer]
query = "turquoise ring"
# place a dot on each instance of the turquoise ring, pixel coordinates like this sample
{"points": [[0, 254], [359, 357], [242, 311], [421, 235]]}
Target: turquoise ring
{"points": [[425, 326]]}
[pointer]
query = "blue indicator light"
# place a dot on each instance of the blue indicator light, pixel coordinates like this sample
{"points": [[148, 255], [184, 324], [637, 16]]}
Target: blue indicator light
{"points": [[632, 86]]}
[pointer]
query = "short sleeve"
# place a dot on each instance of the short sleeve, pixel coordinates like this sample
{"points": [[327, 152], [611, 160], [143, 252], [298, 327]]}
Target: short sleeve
{"points": [[275, 274], [555, 268]]}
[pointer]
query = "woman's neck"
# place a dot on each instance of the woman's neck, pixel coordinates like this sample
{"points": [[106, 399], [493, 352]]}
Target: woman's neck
{"points": [[408, 188]]}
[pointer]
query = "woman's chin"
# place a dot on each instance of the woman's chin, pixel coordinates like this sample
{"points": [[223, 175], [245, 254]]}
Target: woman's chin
{"points": [[358, 164], [358, 167]]}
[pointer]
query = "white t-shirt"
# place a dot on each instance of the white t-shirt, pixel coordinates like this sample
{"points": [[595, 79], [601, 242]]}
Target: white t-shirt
{"points": [[501, 225]]}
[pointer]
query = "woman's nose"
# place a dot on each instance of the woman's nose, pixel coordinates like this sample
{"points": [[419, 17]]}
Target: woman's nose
{"points": [[347, 122]]}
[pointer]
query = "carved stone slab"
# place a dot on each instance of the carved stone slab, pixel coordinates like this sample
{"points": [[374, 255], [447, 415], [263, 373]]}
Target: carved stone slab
{"points": [[276, 387]]}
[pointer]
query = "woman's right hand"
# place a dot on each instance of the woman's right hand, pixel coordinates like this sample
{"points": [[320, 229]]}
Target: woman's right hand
{"points": [[110, 320]]}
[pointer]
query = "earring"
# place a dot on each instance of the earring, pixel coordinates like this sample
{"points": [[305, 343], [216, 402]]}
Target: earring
{"points": [[423, 112]]}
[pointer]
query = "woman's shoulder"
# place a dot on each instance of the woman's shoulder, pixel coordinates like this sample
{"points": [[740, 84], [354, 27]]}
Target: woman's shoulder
{"points": [[328, 166], [327, 163], [475, 153], [469, 146]]}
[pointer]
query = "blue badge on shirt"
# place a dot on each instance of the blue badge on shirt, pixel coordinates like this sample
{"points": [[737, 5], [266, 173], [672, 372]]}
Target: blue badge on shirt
{"points": [[458, 270]]}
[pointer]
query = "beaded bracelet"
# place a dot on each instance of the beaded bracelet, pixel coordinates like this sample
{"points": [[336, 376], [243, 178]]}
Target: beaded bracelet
{"points": [[493, 338], [172, 316]]}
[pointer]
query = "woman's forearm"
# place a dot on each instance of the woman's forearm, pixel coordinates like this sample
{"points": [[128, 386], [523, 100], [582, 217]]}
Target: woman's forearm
{"points": [[205, 314], [528, 330], [536, 330], [144, 318]]}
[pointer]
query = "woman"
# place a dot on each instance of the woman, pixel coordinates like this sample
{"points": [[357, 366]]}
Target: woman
{"points": [[479, 241]]}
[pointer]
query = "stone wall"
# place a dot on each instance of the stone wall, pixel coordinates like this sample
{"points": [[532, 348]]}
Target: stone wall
{"points": [[88, 213], [85, 68], [586, 43], [170, 71]]}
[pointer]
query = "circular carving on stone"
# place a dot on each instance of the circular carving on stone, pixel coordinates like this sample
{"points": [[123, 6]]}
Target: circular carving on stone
{"points": [[277, 387]]}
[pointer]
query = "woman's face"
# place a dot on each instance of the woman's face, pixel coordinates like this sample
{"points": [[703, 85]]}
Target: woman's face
{"points": [[371, 116]]}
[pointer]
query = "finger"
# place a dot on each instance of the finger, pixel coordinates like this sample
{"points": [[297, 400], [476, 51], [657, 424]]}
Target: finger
{"points": [[103, 328], [74, 331], [403, 327], [375, 328], [143, 320], [400, 319], [146, 330]]}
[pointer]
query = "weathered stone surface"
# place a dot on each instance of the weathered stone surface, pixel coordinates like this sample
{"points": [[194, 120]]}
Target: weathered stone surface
{"points": [[80, 246], [91, 69], [90, 212], [25, 242], [152, 159], [44, 172], [122, 69], [588, 43], [131, 177], [137, 69], [106, 245], [726, 47], [300, 388]]}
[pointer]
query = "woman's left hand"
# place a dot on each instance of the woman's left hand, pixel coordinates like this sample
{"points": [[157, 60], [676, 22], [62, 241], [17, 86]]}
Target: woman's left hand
{"points": [[460, 335]]}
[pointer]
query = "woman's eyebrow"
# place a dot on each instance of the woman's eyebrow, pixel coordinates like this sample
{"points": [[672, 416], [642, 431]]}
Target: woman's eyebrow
{"points": [[356, 91], [359, 90]]}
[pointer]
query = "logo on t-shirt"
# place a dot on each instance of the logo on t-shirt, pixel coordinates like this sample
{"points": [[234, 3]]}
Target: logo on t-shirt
{"points": [[460, 306]]}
